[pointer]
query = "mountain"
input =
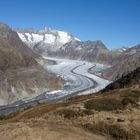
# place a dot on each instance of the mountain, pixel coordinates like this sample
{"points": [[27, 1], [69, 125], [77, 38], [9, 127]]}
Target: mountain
{"points": [[125, 63], [48, 36], [20, 74], [51, 42], [120, 50], [93, 51], [62, 44]]}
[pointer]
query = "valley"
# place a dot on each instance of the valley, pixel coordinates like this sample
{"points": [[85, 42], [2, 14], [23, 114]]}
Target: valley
{"points": [[52, 80], [77, 81], [69, 70]]}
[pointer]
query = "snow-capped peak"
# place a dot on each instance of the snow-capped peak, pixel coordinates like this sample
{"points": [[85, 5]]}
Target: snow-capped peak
{"points": [[120, 50], [46, 35]]}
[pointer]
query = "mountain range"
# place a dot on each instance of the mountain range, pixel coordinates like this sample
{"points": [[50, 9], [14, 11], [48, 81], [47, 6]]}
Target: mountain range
{"points": [[50, 42]]}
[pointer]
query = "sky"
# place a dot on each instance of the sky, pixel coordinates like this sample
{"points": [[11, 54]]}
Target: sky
{"points": [[115, 22]]}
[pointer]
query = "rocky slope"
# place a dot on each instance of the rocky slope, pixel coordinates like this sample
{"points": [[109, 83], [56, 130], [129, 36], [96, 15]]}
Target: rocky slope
{"points": [[127, 80], [20, 74], [93, 51], [120, 50], [126, 62]]}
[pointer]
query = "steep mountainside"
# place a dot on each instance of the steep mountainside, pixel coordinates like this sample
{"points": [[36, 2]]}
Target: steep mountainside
{"points": [[20, 75], [129, 80], [13, 41]]}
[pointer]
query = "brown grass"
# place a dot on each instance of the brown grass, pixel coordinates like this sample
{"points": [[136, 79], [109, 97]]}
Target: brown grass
{"points": [[72, 115]]}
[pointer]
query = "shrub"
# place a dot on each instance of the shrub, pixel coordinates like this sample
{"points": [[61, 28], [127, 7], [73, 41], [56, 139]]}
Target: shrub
{"points": [[88, 112], [129, 100], [8, 116], [103, 104], [69, 114], [135, 94], [115, 131]]}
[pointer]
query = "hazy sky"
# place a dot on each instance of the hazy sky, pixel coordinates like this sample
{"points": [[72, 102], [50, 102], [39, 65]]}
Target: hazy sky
{"points": [[115, 22]]}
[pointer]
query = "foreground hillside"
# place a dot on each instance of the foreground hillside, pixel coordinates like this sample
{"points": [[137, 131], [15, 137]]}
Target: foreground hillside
{"points": [[20, 74], [113, 113]]}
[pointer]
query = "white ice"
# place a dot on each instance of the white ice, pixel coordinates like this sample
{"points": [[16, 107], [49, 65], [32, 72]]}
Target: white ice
{"points": [[49, 38], [63, 37], [79, 79]]}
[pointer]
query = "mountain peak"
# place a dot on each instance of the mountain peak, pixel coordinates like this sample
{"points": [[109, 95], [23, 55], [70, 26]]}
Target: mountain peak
{"points": [[4, 30], [47, 35], [3, 25]]}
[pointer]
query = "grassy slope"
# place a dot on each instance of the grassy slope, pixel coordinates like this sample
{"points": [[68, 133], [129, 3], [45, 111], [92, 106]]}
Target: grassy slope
{"points": [[113, 114]]}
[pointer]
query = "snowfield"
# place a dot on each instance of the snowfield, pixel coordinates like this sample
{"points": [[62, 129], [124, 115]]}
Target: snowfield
{"points": [[47, 35]]}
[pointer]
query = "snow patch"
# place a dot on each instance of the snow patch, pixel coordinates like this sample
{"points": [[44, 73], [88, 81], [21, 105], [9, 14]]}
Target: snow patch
{"points": [[37, 38], [49, 38], [64, 37], [29, 37], [53, 92], [22, 37], [77, 39]]}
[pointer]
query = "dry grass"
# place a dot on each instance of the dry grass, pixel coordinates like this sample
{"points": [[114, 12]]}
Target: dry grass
{"points": [[40, 129], [71, 120]]}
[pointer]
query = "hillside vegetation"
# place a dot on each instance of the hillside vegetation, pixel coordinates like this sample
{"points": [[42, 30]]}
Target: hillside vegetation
{"points": [[112, 114]]}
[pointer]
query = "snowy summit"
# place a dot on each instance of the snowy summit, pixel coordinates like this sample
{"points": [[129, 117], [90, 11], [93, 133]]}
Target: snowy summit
{"points": [[46, 35]]}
